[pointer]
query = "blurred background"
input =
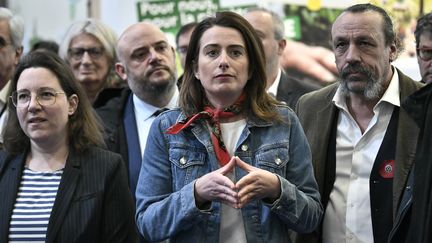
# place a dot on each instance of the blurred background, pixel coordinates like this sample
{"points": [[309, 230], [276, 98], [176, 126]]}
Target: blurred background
{"points": [[307, 21]]}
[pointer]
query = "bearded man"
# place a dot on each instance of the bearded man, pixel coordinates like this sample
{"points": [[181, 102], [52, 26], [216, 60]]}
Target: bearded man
{"points": [[147, 63], [363, 143]]}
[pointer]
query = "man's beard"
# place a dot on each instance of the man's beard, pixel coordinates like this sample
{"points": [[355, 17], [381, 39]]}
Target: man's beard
{"points": [[144, 84], [373, 88]]}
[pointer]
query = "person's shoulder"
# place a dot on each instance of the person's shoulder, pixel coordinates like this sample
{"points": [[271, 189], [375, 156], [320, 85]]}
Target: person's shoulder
{"points": [[407, 86], [171, 114], [324, 94], [111, 98], [5, 156], [101, 156], [283, 108], [107, 95], [286, 112], [115, 105], [297, 84]]}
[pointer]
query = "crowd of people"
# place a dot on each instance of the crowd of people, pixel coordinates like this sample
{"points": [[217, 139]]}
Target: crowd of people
{"points": [[102, 140]]}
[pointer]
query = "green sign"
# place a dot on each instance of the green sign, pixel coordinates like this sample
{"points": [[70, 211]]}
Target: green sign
{"points": [[292, 27], [170, 15]]}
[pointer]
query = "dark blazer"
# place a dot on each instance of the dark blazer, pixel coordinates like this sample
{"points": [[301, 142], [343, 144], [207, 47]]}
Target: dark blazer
{"points": [[417, 225], [93, 202], [317, 113], [291, 89], [112, 113]]}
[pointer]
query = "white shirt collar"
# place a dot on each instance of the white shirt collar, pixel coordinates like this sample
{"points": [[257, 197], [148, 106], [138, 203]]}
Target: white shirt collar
{"points": [[273, 88], [145, 110], [4, 92], [144, 116]]}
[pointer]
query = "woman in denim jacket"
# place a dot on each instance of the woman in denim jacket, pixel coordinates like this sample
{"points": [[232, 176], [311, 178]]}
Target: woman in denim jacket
{"points": [[231, 164]]}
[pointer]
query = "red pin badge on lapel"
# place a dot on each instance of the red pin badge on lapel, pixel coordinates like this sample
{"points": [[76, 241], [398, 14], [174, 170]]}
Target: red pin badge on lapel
{"points": [[386, 169]]}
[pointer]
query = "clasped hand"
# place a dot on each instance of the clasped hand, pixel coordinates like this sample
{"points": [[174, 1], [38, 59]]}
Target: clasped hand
{"points": [[256, 185]]}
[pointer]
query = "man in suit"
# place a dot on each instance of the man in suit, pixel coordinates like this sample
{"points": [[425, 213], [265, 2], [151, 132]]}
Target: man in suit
{"points": [[416, 215], [182, 41], [11, 37], [270, 29], [147, 63], [362, 142], [423, 37]]}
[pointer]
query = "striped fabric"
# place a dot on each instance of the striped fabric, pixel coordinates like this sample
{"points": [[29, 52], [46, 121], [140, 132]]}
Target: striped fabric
{"points": [[35, 199]]}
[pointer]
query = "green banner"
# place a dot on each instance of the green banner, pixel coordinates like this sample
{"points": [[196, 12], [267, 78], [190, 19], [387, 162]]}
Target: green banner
{"points": [[170, 15]]}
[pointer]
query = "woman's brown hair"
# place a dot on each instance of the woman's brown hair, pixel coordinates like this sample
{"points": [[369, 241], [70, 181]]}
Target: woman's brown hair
{"points": [[84, 128], [258, 102]]}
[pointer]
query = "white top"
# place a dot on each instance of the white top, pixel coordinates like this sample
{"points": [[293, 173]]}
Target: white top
{"points": [[144, 116], [348, 214], [34, 202], [232, 226], [274, 87]]}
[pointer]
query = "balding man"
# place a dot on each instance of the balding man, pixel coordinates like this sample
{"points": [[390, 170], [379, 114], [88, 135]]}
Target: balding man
{"points": [[147, 63], [11, 37]]}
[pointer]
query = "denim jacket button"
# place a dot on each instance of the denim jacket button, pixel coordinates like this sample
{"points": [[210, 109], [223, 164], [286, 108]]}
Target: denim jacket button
{"points": [[278, 161], [244, 147], [183, 160]]}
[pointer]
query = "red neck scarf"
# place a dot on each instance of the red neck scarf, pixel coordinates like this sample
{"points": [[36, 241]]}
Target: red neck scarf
{"points": [[213, 116]]}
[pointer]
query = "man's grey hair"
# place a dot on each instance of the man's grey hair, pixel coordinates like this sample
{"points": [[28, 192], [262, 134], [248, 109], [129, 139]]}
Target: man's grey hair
{"points": [[279, 30], [16, 26]]}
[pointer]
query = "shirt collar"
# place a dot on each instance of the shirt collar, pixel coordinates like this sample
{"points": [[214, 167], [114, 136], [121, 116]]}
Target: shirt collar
{"points": [[4, 93], [391, 95], [273, 88], [145, 110]]}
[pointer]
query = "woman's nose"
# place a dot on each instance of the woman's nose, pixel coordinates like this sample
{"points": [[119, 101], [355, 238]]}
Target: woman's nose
{"points": [[33, 103], [223, 61]]}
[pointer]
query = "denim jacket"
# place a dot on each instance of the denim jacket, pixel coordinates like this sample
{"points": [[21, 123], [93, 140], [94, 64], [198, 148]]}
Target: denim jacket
{"points": [[165, 193]]}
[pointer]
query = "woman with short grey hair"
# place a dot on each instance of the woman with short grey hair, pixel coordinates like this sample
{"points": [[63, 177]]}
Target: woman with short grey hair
{"points": [[89, 48]]}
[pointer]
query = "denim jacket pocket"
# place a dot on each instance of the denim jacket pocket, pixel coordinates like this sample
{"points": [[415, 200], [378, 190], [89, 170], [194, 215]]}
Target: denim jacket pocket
{"points": [[187, 165], [273, 159]]}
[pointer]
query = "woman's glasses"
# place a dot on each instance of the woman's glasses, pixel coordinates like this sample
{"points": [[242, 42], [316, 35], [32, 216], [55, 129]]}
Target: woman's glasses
{"points": [[44, 97], [78, 53]]}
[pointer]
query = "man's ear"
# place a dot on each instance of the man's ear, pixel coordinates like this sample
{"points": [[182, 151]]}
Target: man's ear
{"points": [[393, 52], [18, 53], [120, 70], [281, 46]]}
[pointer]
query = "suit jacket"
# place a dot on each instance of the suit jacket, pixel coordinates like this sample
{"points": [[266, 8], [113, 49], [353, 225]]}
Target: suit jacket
{"points": [[93, 203], [112, 113], [290, 89], [317, 113], [417, 226]]}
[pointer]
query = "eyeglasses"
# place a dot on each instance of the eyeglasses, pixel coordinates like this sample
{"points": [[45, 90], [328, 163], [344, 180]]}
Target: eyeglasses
{"points": [[424, 53], [44, 97], [78, 53]]}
